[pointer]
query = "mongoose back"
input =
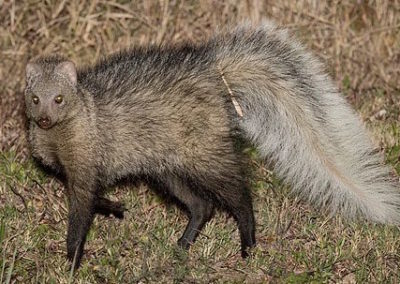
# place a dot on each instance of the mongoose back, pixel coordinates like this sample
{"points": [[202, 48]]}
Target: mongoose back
{"points": [[164, 114]]}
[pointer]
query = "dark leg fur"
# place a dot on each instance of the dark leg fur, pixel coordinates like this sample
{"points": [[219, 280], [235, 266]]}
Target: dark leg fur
{"points": [[245, 219], [107, 207], [200, 211], [200, 214], [80, 218], [235, 197]]}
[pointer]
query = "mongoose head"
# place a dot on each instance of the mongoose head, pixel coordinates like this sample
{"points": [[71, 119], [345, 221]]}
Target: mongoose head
{"points": [[51, 91]]}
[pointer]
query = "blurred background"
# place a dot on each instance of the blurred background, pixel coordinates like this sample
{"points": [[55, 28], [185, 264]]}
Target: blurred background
{"points": [[358, 40]]}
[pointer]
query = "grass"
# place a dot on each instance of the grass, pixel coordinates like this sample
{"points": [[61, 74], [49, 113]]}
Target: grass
{"points": [[296, 244], [359, 41]]}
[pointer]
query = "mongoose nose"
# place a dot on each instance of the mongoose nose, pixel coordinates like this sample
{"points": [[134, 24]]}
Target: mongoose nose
{"points": [[44, 122]]}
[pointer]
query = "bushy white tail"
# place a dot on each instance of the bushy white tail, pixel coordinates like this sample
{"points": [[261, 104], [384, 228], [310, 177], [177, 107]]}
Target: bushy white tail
{"points": [[297, 119]]}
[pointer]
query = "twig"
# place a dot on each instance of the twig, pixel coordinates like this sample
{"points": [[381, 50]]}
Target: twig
{"points": [[234, 101], [19, 195]]}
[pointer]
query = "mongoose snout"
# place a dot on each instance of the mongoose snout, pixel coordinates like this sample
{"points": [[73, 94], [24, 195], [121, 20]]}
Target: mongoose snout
{"points": [[44, 122]]}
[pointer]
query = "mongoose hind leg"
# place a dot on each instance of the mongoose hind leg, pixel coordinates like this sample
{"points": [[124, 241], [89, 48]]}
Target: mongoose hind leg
{"points": [[236, 198], [200, 210], [107, 207], [246, 224]]}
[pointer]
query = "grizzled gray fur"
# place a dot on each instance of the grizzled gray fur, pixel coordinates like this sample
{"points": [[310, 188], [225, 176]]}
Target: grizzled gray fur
{"points": [[164, 115]]}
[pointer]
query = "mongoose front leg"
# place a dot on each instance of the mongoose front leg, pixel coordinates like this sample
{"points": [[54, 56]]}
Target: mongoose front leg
{"points": [[81, 213], [107, 207]]}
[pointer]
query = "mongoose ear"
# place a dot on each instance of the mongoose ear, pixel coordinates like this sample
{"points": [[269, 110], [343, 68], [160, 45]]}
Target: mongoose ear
{"points": [[32, 70], [67, 69]]}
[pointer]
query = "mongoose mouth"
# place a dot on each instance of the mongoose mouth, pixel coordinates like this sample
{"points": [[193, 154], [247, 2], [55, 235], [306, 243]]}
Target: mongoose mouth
{"points": [[44, 122]]}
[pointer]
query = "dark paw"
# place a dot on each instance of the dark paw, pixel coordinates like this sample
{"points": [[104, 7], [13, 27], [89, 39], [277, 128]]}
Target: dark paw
{"points": [[118, 211], [246, 252], [74, 255], [183, 243], [107, 208]]}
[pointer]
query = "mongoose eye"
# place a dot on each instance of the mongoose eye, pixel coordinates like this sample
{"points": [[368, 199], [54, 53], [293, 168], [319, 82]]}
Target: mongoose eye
{"points": [[59, 99], [35, 100]]}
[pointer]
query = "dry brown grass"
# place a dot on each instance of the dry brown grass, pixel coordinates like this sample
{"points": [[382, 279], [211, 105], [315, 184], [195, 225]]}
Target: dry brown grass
{"points": [[358, 40]]}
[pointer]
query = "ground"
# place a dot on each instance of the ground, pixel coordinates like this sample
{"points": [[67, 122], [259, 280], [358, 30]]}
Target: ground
{"points": [[359, 42]]}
